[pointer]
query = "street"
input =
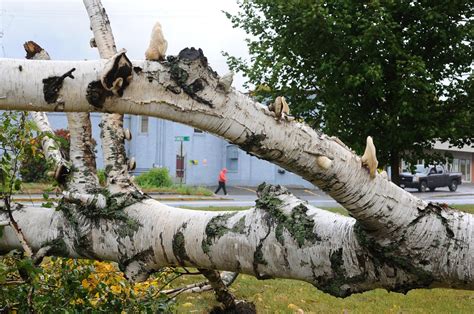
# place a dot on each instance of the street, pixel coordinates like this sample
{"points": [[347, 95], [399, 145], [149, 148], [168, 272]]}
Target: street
{"points": [[245, 196]]}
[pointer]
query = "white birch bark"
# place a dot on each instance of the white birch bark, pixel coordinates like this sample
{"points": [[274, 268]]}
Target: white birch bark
{"points": [[113, 145], [50, 147], [394, 227], [283, 237], [83, 178]]}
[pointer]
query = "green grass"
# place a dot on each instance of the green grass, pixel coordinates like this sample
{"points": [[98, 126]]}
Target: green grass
{"points": [[287, 296], [180, 190], [464, 208]]}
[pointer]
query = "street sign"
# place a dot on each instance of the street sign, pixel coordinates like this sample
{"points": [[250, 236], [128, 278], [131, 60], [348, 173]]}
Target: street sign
{"points": [[181, 138]]}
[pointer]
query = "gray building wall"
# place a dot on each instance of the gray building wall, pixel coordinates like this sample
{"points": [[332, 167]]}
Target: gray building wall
{"points": [[158, 148]]}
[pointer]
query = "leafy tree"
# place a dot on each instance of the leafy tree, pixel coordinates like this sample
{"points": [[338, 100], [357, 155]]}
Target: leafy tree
{"points": [[400, 71]]}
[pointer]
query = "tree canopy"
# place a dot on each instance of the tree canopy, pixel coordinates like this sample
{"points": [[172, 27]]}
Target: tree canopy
{"points": [[400, 71]]}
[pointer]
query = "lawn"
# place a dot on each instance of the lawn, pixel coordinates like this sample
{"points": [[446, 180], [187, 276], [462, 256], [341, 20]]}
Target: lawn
{"points": [[288, 296]]}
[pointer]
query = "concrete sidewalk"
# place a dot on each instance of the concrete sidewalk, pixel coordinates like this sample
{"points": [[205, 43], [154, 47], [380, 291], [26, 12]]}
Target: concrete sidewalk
{"points": [[236, 193]]}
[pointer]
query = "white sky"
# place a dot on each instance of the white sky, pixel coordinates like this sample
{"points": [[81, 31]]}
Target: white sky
{"points": [[62, 28]]}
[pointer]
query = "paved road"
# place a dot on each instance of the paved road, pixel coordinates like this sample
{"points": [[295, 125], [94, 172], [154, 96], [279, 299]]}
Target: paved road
{"points": [[245, 196]]}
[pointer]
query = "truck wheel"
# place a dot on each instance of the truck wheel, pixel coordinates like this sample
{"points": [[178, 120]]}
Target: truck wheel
{"points": [[453, 186], [423, 186], [432, 189]]}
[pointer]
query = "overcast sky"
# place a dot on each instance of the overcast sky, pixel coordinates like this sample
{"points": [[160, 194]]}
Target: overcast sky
{"points": [[62, 28]]}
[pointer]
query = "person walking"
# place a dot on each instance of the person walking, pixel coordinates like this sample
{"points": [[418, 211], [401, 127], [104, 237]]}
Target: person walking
{"points": [[222, 181]]}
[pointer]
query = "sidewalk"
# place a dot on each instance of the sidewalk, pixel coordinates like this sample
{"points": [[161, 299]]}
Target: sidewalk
{"points": [[236, 193], [38, 198]]}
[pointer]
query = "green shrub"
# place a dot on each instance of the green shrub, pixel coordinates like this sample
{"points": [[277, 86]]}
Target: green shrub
{"points": [[101, 176], [34, 167], [62, 285], [156, 177]]}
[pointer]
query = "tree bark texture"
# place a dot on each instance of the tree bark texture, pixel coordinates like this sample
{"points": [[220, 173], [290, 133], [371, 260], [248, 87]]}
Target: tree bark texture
{"points": [[394, 240]]}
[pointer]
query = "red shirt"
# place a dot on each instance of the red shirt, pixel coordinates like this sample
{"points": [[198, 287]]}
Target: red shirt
{"points": [[222, 177]]}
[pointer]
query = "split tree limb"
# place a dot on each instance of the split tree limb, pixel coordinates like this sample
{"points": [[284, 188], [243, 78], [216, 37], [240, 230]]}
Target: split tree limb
{"points": [[113, 145], [84, 177]]}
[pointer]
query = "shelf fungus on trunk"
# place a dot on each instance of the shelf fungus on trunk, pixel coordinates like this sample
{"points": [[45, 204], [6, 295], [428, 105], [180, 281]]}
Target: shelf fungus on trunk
{"points": [[324, 162], [369, 159]]}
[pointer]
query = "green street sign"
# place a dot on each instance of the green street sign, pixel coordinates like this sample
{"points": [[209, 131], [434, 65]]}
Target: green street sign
{"points": [[181, 138]]}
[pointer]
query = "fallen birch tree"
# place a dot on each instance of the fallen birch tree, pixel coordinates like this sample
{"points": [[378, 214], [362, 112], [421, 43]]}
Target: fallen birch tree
{"points": [[392, 240]]}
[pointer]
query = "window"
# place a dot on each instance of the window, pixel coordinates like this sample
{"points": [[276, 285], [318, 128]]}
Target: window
{"points": [[143, 124], [198, 131], [232, 158], [463, 166], [468, 170]]}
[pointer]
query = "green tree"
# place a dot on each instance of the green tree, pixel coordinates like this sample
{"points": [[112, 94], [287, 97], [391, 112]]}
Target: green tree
{"points": [[400, 71]]}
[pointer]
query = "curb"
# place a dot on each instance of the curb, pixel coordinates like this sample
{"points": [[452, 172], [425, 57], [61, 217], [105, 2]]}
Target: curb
{"points": [[176, 198]]}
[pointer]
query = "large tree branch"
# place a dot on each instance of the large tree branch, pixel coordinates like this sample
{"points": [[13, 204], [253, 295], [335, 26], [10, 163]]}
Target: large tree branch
{"points": [[391, 223], [281, 237]]}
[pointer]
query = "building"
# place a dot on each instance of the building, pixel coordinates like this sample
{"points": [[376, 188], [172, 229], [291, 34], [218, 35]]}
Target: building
{"points": [[191, 156], [462, 159]]}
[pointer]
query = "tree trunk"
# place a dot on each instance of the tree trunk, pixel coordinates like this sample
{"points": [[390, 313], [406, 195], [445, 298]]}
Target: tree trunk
{"points": [[395, 167], [394, 240]]}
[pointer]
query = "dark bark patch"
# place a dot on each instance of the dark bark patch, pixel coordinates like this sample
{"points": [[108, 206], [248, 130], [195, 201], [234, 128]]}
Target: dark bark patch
{"points": [[253, 142], [96, 94], [137, 70], [20, 68], [163, 248], [193, 54], [181, 76], [139, 261], [118, 74], [174, 89], [179, 249], [196, 86], [339, 285], [258, 258], [52, 85]]}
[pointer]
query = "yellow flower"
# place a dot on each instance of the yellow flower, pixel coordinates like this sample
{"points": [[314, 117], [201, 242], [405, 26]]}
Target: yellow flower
{"points": [[187, 304], [292, 306], [85, 284], [116, 289]]}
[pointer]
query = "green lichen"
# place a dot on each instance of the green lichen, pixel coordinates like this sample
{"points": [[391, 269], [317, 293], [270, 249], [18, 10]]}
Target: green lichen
{"points": [[239, 226], [389, 255], [114, 210], [216, 228], [298, 224]]}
